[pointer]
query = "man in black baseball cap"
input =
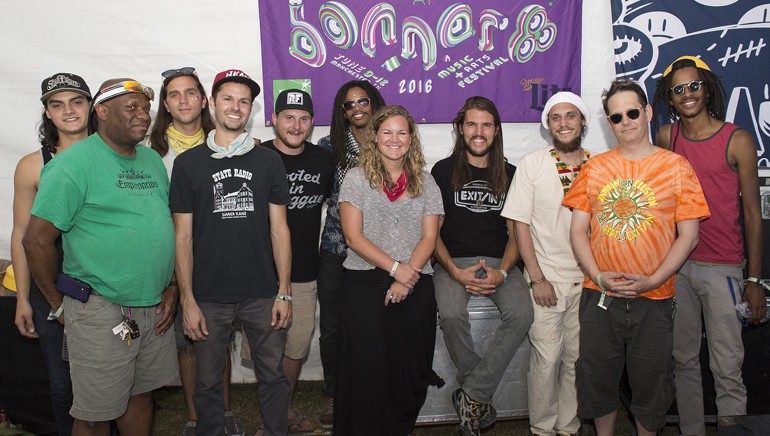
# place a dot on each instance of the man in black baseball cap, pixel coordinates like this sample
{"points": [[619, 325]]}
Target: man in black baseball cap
{"points": [[65, 98], [309, 172], [64, 82]]}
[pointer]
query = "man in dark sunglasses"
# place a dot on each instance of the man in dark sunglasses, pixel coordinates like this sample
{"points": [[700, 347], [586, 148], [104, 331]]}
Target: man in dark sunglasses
{"points": [[725, 159], [635, 216], [119, 249], [355, 103]]}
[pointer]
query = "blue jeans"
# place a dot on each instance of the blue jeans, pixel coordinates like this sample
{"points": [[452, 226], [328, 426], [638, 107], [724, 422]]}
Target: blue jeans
{"points": [[330, 276], [51, 337], [479, 375], [267, 347]]}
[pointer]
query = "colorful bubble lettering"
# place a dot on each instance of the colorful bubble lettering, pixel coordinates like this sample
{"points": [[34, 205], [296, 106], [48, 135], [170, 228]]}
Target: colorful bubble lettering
{"points": [[339, 24], [415, 28], [384, 15], [534, 33], [306, 42], [454, 26], [488, 20]]}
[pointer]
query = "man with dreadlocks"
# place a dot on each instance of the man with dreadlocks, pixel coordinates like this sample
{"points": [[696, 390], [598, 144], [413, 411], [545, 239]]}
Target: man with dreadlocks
{"points": [[477, 254], [355, 103], [724, 159]]}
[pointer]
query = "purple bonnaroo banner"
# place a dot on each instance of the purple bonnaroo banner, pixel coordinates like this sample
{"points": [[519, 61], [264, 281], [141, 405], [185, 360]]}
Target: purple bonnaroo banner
{"points": [[426, 55]]}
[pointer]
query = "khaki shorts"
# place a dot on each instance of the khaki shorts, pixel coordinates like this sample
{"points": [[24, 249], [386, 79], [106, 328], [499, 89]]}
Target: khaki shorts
{"points": [[300, 334], [105, 370]]}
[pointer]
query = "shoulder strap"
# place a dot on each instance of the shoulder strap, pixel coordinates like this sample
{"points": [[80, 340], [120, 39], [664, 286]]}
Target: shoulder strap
{"points": [[45, 155]]}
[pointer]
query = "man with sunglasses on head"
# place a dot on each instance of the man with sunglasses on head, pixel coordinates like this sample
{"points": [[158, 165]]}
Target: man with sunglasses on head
{"points": [[65, 98], [635, 215], [724, 158], [183, 121], [355, 103], [108, 199], [233, 254]]}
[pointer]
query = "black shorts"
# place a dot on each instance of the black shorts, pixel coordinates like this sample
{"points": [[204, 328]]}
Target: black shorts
{"points": [[635, 332]]}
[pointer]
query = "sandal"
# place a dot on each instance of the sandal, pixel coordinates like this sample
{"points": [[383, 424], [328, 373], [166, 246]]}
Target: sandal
{"points": [[260, 431], [300, 424]]}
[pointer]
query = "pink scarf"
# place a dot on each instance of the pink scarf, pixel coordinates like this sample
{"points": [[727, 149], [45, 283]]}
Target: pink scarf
{"points": [[397, 189]]}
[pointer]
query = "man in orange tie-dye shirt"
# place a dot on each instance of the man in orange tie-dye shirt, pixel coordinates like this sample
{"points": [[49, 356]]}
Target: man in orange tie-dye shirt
{"points": [[636, 211]]}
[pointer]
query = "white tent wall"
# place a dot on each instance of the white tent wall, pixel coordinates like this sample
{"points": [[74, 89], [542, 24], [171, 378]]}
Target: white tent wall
{"points": [[107, 39]]}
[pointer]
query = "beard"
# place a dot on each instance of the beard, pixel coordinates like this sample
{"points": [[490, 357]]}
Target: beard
{"points": [[476, 153], [285, 139], [569, 146]]}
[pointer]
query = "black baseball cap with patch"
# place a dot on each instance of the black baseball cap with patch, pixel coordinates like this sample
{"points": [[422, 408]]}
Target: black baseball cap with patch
{"points": [[64, 82], [294, 99]]}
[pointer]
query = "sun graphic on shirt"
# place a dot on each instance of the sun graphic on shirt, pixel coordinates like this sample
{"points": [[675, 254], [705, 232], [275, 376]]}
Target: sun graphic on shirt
{"points": [[625, 209]]}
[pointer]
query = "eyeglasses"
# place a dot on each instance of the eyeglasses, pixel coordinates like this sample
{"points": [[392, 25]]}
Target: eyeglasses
{"points": [[362, 102], [186, 71], [693, 86], [118, 89], [632, 114]]}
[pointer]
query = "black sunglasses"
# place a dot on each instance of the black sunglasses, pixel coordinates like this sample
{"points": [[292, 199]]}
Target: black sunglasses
{"points": [[693, 86], [186, 71], [632, 114], [350, 104]]}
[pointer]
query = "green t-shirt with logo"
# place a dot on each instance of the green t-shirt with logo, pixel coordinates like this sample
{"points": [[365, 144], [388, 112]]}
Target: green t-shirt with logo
{"points": [[113, 212]]}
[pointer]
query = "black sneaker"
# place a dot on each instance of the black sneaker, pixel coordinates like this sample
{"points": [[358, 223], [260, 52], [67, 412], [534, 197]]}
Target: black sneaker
{"points": [[486, 413], [462, 403]]}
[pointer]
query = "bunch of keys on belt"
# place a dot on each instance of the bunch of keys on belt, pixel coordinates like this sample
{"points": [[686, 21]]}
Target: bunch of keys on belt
{"points": [[127, 329]]}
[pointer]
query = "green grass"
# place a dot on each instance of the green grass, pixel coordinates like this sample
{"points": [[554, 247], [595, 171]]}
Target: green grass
{"points": [[171, 415]]}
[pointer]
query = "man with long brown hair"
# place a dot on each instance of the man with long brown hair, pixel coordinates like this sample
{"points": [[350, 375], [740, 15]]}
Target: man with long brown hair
{"points": [[477, 254], [65, 98]]}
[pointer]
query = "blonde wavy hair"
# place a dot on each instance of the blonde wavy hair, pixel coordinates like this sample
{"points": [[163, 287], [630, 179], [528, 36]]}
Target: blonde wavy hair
{"points": [[371, 159]]}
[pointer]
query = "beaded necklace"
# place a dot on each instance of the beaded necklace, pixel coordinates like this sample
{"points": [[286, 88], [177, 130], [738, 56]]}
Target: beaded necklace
{"points": [[568, 173]]}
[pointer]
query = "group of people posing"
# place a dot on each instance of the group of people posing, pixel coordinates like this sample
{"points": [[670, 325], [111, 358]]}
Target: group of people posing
{"points": [[117, 242]]}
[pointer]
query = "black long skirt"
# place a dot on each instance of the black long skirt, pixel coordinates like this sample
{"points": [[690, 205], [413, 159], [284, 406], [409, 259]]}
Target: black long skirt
{"points": [[385, 356]]}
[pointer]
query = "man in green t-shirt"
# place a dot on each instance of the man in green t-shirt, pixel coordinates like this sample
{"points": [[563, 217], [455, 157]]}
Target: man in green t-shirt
{"points": [[107, 197]]}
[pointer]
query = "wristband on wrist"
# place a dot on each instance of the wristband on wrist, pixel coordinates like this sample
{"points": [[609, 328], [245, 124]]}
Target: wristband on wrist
{"points": [[604, 291], [599, 282], [536, 282], [285, 297], [761, 284], [394, 268], [505, 275], [52, 316]]}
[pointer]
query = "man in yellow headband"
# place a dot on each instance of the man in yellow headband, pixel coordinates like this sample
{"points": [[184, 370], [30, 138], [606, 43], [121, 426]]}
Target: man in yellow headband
{"points": [[724, 158], [107, 197]]}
